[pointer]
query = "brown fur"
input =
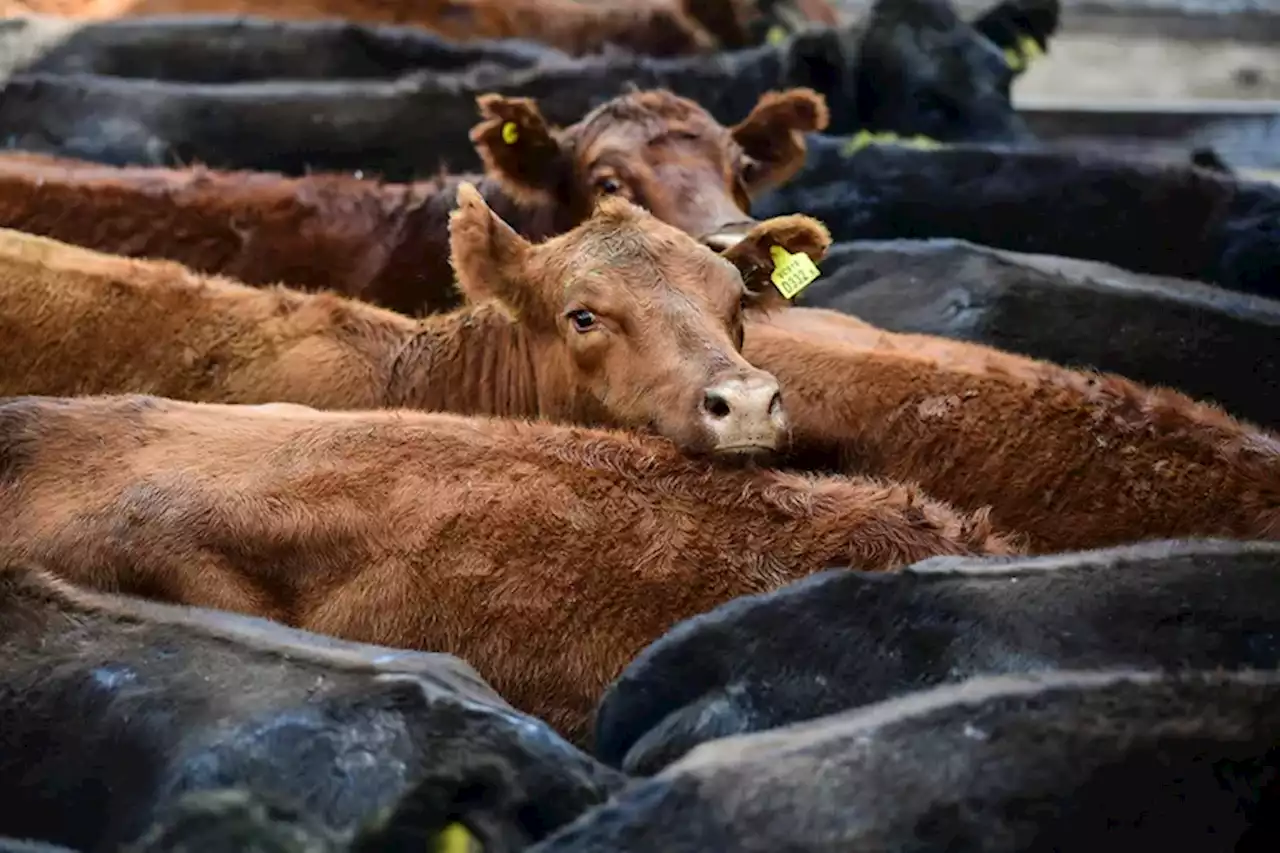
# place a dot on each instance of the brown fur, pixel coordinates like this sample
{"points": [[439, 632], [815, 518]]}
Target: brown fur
{"points": [[670, 316], [655, 27], [1072, 458], [545, 556], [388, 243]]}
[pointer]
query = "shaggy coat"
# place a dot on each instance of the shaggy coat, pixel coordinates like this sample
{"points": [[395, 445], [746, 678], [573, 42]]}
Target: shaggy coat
{"points": [[1076, 460], [1152, 218], [1209, 343], [844, 639], [162, 700], [545, 556], [917, 69], [622, 321], [1098, 761], [1073, 459], [388, 244]]}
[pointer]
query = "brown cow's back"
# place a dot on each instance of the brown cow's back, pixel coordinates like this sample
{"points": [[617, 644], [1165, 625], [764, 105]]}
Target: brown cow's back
{"points": [[1074, 459], [652, 26], [545, 556], [383, 243], [74, 322]]}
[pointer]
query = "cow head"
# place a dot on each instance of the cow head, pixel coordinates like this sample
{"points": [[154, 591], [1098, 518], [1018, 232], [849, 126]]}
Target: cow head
{"points": [[662, 152], [922, 70], [634, 322]]}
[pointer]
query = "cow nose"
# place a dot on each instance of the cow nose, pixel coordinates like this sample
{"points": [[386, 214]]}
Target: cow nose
{"points": [[744, 415]]}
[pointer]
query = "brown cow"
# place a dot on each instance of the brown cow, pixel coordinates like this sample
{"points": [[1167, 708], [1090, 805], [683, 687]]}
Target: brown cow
{"points": [[388, 244], [654, 27], [623, 321], [1072, 458], [546, 556]]}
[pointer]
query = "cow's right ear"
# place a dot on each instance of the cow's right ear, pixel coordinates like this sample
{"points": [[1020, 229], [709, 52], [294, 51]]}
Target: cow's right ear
{"points": [[520, 149], [490, 260], [772, 136], [778, 258]]}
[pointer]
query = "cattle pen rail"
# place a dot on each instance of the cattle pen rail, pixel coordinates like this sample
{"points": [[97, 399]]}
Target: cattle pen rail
{"points": [[1245, 134]]}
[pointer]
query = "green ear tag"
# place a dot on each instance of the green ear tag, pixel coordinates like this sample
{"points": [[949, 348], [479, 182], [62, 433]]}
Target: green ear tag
{"points": [[509, 133], [775, 35], [791, 273]]}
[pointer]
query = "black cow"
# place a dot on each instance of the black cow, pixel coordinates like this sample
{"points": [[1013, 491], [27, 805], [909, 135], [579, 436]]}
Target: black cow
{"points": [[230, 49], [112, 708], [1161, 219], [845, 638], [1210, 343], [917, 69], [1105, 762]]}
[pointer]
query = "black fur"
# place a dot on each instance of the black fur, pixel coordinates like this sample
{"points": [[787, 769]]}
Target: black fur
{"points": [[1165, 220], [1210, 343], [233, 49], [918, 69], [114, 708], [1084, 761], [844, 639]]}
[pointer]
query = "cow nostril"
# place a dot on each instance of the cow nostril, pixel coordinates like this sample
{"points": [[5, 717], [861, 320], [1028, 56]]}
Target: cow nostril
{"points": [[715, 405], [775, 403]]}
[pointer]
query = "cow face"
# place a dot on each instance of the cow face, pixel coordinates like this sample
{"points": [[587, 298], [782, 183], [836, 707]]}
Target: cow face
{"points": [[924, 71], [659, 151], [642, 323]]}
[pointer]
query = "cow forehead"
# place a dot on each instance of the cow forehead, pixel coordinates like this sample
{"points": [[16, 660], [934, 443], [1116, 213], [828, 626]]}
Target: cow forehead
{"points": [[625, 134], [651, 262]]}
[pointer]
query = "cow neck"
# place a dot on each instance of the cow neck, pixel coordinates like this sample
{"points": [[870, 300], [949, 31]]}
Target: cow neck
{"points": [[473, 361]]}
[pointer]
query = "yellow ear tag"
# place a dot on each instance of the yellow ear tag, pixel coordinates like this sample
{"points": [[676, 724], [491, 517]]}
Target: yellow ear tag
{"points": [[509, 133], [456, 838], [791, 273], [776, 35], [1013, 59], [1029, 49]]}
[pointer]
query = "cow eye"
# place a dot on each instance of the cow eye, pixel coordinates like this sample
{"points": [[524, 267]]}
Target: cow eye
{"points": [[750, 171], [609, 186], [582, 320]]}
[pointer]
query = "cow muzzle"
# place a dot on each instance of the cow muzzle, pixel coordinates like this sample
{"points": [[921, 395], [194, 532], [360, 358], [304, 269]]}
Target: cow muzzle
{"points": [[745, 416]]}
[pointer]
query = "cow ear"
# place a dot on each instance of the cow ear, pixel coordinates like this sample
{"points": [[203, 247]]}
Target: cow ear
{"points": [[519, 148], [777, 259], [772, 136], [490, 260]]}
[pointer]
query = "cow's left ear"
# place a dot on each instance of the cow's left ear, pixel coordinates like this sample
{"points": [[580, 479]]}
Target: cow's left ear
{"points": [[778, 258], [772, 136], [490, 260], [520, 149]]}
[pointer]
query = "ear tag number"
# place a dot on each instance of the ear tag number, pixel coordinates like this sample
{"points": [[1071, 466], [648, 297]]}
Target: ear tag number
{"points": [[510, 133], [791, 273]]}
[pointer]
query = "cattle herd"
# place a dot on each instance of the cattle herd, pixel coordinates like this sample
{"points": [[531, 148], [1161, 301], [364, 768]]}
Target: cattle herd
{"points": [[655, 427]]}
